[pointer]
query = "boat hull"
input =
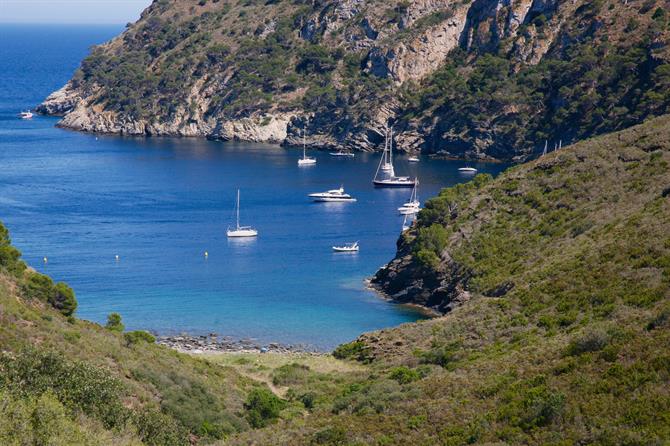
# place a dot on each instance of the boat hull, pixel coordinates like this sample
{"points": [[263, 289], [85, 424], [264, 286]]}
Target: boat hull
{"points": [[333, 200], [382, 183], [238, 233]]}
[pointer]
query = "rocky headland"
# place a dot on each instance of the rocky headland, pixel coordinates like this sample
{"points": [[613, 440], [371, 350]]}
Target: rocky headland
{"points": [[486, 80]]}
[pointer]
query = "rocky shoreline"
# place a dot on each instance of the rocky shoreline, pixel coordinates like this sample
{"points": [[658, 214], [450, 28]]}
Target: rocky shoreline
{"points": [[213, 343]]}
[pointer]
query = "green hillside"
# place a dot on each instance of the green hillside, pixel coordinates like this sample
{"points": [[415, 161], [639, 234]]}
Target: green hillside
{"points": [[65, 381]]}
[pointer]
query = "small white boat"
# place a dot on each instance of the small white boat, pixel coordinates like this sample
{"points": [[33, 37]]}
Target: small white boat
{"points": [[333, 195], [26, 115], [305, 160], [467, 169], [348, 247], [240, 231], [413, 159], [342, 153]]}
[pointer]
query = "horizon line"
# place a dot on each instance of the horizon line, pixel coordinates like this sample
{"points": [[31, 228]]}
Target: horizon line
{"points": [[65, 23]]}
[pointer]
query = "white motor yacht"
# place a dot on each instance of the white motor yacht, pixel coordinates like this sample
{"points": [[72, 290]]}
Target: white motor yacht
{"points": [[467, 169], [26, 115], [333, 195], [348, 247]]}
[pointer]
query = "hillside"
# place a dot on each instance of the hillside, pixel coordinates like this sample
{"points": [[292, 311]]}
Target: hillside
{"points": [[65, 381], [480, 79], [561, 271]]}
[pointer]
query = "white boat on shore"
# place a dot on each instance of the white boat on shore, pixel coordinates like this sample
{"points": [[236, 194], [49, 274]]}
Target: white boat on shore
{"points": [[388, 177], [342, 153], [240, 231], [333, 195], [305, 160], [26, 115], [467, 169], [348, 247]]}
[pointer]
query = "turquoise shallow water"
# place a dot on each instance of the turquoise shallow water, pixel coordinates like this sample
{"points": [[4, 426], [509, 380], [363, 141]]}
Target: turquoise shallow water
{"points": [[160, 203]]}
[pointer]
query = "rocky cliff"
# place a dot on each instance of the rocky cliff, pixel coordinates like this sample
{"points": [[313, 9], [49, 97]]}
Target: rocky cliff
{"points": [[483, 79]]}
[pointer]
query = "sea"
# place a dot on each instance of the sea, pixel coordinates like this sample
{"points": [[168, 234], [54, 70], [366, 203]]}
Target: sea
{"points": [[137, 226]]}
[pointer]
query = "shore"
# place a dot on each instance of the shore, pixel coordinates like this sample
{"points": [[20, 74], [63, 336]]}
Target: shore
{"points": [[213, 343]]}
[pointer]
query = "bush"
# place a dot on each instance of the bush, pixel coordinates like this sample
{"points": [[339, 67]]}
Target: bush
{"points": [[77, 385], [592, 340], [356, 350], [62, 299], [263, 407], [138, 336], [114, 322], [333, 436], [41, 287], [404, 375], [157, 429]]}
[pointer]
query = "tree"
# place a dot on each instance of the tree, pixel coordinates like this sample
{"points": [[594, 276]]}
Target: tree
{"points": [[114, 322]]}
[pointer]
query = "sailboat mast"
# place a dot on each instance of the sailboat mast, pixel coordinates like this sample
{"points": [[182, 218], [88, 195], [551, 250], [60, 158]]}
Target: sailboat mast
{"points": [[391, 147], [304, 143], [238, 209]]}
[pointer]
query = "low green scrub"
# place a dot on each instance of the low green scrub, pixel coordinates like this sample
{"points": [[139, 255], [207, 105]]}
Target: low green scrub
{"points": [[355, 350], [262, 407]]}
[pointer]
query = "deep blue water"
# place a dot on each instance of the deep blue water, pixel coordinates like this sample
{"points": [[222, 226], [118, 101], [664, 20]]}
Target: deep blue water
{"points": [[160, 203]]}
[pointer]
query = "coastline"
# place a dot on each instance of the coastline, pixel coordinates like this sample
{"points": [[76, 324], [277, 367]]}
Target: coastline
{"points": [[213, 344], [426, 311]]}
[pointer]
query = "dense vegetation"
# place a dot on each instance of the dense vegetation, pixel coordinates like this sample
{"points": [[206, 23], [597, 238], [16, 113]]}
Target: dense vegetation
{"points": [[572, 350], [64, 381], [568, 71]]}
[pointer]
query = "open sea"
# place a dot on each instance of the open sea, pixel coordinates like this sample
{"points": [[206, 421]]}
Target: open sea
{"points": [[159, 203]]}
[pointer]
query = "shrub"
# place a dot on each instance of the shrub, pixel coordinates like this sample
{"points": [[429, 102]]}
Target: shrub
{"points": [[41, 287], [662, 319], [356, 350], [138, 336], [114, 322], [62, 298], [404, 375], [428, 259], [333, 436], [441, 354], [158, 429], [592, 340], [263, 407], [77, 385]]}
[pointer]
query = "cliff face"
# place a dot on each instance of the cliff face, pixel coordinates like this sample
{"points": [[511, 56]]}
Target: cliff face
{"points": [[559, 218], [481, 79]]}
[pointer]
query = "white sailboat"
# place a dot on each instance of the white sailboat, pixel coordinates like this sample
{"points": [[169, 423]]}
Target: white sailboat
{"points": [[389, 178], [240, 231], [467, 169], [348, 247], [413, 206], [305, 160]]}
